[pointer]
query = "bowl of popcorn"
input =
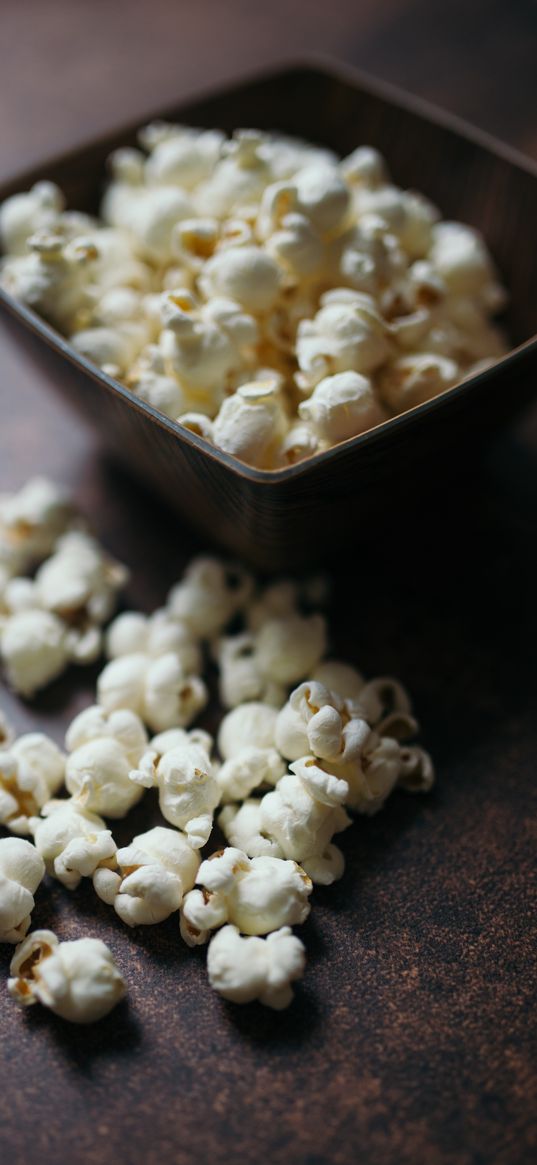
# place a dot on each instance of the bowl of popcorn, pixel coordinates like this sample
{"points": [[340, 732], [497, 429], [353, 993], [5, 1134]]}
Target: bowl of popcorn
{"points": [[271, 324]]}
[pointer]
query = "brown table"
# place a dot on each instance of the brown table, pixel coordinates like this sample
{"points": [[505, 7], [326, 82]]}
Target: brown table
{"points": [[411, 1040]]}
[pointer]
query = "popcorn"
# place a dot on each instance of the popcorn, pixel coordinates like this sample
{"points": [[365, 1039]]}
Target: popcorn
{"points": [[410, 380], [34, 649], [98, 773], [242, 827], [31, 771], [460, 257], [52, 278], [247, 769], [157, 690], [79, 980], [346, 742], [79, 581], [228, 278], [347, 334], [251, 724], [257, 895], [209, 595], [246, 274], [72, 841], [240, 680], [21, 871], [183, 158], [121, 725], [244, 969], [252, 423], [154, 635], [288, 648], [301, 824], [188, 788], [340, 407], [203, 345], [24, 214], [148, 879]]}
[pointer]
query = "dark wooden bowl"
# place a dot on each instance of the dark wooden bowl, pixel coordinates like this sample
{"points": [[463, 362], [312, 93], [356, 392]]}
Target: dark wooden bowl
{"points": [[287, 518]]}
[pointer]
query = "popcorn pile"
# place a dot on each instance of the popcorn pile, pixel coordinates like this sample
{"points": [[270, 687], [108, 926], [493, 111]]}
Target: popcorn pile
{"points": [[304, 742], [266, 295]]}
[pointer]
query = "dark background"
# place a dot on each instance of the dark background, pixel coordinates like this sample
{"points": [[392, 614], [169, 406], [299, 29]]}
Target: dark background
{"points": [[412, 1039]]}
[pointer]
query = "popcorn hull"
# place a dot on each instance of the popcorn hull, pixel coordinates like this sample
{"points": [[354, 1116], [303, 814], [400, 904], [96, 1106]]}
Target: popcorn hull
{"points": [[290, 517]]}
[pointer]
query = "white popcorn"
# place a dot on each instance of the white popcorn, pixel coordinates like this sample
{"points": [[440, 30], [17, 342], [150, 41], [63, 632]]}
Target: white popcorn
{"points": [[298, 821], [246, 274], [347, 334], [247, 770], [299, 441], [112, 347], [24, 214], [30, 522], [121, 725], [287, 649], [53, 278], [157, 690], [149, 878], [460, 257], [78, 980], [98, 772], [323, 198], [239, 178], [251, 725], [242, 827], [370, 258], [21, 871], [197, 423], [257, 895], [407, 214], [209, 595], [411, 380], [364, 167], [244, 969], [79, 581], [252, 423], [184, 158], [203, 345], [34, 649], [342, 406], [31, 771], [72, 841], [154, 635], [240, 680], [318, 722], [188, 788]]}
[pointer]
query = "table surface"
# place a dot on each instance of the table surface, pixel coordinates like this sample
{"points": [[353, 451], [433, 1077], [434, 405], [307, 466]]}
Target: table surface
{"points": [[411, 1039]]}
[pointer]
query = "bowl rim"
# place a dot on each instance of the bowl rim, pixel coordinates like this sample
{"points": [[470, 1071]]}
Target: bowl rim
{"points": [[326, 66]]}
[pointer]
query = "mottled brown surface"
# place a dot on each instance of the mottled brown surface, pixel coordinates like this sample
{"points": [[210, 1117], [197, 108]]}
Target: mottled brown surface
{"points": [[412, 1038]]}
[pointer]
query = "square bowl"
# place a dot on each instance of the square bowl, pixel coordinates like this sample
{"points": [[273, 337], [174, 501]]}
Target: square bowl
{"points": [[287, 518]]}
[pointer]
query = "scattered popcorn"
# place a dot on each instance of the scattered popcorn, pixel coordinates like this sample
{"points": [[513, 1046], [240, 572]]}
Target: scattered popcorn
{"points": [[148, 878], [98, 772], [244, 969], [302, 741], [79, 980], [227, 279], [188, 788], [32, 770], [257, 895], [72, 841], [21, 871]]}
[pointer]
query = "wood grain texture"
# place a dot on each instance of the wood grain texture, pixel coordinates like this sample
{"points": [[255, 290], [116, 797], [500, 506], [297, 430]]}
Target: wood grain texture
{"points": [[412, 1040]]}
